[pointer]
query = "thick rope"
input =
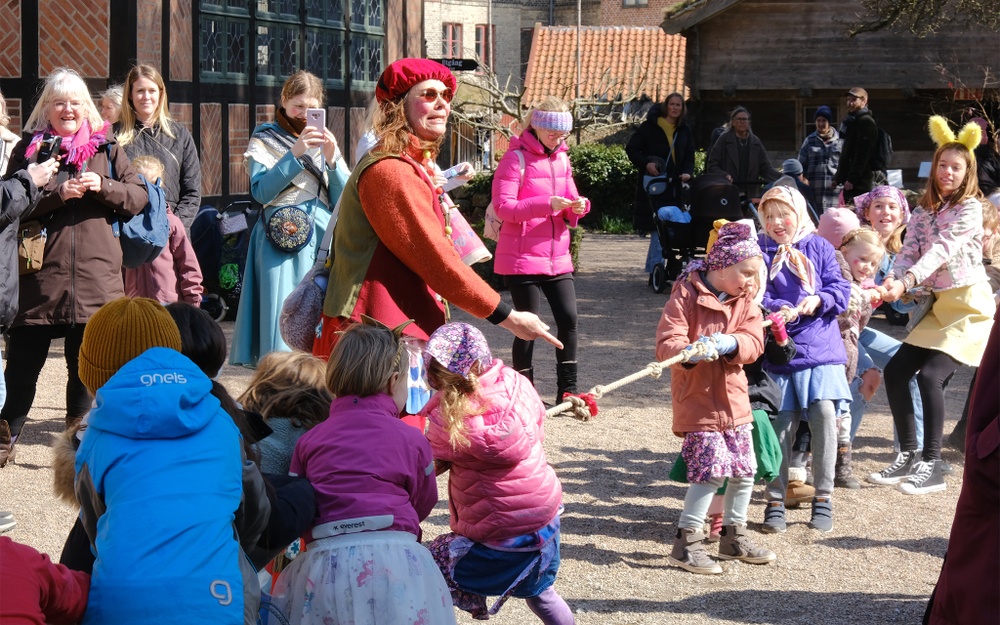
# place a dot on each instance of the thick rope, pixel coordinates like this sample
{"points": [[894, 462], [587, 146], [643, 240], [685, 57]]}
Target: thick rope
{"points": [[580, 409]]}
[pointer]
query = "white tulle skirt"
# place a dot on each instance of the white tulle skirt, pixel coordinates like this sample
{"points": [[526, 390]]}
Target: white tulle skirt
{"points": [[368, 578]]}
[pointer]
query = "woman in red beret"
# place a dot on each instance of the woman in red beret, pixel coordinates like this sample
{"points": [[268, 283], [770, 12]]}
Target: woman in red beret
{"points": [[392, 257]]}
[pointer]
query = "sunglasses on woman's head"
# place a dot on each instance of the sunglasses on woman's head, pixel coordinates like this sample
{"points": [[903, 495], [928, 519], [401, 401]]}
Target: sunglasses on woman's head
{"points": [[431, 95]]}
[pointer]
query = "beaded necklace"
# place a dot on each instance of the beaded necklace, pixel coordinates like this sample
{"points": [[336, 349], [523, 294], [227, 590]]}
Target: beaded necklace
{"points": [[427, 171]]}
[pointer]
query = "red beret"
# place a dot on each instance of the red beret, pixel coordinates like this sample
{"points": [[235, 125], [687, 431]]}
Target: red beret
{"points": [[400, 75]]}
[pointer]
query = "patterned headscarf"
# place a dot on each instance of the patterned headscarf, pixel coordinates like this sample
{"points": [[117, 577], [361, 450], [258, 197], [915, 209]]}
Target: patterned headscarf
{"points": [[787, 255], [862, 202], [458, 346], [731, 242]]}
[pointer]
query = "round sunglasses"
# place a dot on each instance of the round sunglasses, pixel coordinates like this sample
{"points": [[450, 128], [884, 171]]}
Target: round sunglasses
{"points": [[431, 95]]}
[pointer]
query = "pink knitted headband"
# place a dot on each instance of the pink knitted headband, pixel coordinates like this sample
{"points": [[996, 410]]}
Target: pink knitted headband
{"points": [[561, 121]]}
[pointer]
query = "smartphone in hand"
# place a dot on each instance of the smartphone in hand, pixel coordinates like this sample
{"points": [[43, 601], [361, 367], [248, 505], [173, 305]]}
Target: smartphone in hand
{"points": [[49, 147], [316, 118]]}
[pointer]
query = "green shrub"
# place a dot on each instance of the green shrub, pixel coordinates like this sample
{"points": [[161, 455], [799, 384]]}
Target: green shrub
{"points": [[604, 174], [612, 224], [699, 162]]}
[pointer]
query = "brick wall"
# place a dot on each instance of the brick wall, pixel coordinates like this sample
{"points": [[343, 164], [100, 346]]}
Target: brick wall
{"points": [[183, 114], [16, 117], [211, 149], [181, 67], [613, 13], [149, 32], [73, 34], [239, 137], [10, 39], [263, 114]]}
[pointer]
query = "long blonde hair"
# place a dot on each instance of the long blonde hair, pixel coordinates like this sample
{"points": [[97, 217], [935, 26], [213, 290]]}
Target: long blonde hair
{"points": [[459, 400], [290, 385], [127, 118], [63, 82]]}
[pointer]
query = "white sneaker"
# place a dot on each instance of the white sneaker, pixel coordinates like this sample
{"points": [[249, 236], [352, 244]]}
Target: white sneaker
{"points": [[899, 470], [926, 478], [7, 523]]}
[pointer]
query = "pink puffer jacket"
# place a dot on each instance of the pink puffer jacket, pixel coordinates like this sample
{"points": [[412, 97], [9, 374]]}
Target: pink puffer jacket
{"points": [[501, 484], [532, 240]]}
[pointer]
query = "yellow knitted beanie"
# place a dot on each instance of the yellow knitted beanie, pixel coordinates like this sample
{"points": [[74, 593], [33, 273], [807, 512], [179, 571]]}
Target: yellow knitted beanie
{"points": [[120, 331]]}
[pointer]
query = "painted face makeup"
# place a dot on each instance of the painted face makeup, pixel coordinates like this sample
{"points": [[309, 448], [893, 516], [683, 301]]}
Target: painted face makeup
{"points": [[863, 259], [780, 223]]}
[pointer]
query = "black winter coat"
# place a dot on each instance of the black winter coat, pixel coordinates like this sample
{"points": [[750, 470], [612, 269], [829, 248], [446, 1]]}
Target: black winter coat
{"points": [[181, 166], [649, 144], [860, 133], [17, 194]]}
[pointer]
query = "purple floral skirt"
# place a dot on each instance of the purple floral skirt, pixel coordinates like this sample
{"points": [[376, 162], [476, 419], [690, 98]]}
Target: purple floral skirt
{"points": [[728, 453]]}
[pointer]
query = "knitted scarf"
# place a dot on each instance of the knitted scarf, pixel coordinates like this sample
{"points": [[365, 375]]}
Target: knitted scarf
{"points": [[79, 148]]}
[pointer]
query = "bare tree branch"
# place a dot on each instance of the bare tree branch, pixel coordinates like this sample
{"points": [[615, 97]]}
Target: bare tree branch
{"points": [[925, 17]]}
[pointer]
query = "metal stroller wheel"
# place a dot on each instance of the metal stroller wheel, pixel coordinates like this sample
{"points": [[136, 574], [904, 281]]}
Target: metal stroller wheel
{"points": [[659, 278]]}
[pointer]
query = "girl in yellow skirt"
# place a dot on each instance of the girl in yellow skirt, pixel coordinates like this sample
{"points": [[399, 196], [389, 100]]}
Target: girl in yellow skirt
{"points": [[942, 255]]}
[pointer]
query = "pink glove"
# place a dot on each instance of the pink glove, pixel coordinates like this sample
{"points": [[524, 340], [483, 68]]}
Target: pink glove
{"points": [[778, 327]]}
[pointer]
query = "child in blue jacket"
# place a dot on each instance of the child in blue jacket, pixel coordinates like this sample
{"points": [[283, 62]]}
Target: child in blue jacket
{"points": [[159, 479]]}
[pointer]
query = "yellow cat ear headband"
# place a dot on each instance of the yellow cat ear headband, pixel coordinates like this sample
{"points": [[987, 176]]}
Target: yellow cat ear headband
{"points": [[970, 135]]}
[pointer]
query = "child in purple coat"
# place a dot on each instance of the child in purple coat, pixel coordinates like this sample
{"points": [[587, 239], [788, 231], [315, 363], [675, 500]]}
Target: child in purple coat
{"points": [[805, 284], [374, 482]]}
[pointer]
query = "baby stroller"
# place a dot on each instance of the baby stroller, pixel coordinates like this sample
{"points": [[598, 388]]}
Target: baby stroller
{"points": [[221, 240], [714, 197], [672, 218]]}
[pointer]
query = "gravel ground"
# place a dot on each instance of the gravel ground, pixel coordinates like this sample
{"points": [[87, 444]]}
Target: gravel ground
{"points": [[878, 565]]}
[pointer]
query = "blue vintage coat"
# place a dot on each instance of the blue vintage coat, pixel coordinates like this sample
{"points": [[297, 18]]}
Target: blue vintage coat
{"points": [[270, 273], [159, 479], [817, 337]]}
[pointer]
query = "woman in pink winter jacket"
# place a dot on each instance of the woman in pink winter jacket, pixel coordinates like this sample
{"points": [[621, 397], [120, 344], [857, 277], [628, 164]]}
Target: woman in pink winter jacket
{"points": [[535, 197], [486, 426]]}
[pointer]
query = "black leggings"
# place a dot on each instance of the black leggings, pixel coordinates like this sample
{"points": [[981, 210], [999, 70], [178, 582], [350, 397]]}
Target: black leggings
{"points": [[560, 291], [27, 349], [933, 368]]}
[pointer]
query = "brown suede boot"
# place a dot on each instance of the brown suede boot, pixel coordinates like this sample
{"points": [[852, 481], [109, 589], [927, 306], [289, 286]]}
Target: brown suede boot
{"points": [[689, 553], [798, 492], [843, 475], [7, 450], [736, 545]]}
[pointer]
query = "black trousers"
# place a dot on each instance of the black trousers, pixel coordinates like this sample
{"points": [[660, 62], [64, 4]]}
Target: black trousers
{"points": [[933, 369], [560, 291], [27, 349]]}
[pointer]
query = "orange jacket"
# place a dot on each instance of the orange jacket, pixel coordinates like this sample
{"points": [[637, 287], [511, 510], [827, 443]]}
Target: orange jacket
{"points": [[709, 396]]}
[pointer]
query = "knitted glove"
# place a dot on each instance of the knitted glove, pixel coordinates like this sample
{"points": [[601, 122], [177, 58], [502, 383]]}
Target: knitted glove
{"points": [[724, 343], [710, 352], [778, 327]]}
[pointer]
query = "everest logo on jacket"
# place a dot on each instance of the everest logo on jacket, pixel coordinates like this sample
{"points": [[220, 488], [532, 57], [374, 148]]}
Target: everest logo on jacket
{"points": [[162, 378]]}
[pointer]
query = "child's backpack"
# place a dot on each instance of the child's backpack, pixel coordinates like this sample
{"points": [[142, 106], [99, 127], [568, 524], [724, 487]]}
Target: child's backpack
{"points": [[145, 235], [492, 225], [882, 156]]}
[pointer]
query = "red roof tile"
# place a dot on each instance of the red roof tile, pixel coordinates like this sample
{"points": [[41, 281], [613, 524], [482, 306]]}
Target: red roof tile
{"points": [[614, 61]]}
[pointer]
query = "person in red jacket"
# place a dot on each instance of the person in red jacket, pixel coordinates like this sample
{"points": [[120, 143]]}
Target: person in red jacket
{"points": [[486, 426], [712, 303], [35, 591]]}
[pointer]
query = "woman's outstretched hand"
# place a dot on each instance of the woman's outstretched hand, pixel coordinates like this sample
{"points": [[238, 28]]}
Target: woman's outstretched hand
{"points": [[528, 326]]}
